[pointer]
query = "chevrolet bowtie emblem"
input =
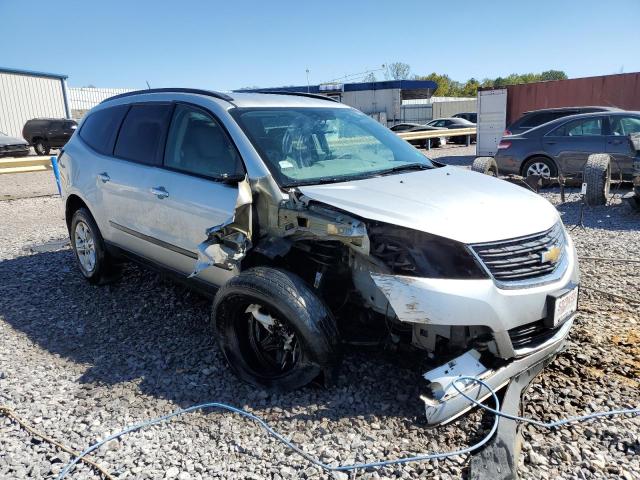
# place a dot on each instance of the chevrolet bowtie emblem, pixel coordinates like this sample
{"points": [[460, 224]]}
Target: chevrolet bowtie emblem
{"points": [[552, 255]]}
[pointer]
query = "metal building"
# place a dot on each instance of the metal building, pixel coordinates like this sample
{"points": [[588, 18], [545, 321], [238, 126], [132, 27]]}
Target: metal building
{"points": [[379, 100], [25, 94]]}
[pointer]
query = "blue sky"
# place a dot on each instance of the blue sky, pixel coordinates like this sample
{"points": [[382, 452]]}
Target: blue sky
{"points": [[227, 45]]}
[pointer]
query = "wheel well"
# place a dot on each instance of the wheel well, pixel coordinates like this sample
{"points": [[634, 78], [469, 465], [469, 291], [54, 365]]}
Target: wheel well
{"points": [[74, 202], [551, 160]]}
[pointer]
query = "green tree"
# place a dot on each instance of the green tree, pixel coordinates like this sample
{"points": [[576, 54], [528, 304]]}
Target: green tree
{"points": [[553, 75], [470, 88]]}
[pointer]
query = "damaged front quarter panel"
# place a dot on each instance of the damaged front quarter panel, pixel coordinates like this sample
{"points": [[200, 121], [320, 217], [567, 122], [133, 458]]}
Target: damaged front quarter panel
{"points": [[227, 244]]}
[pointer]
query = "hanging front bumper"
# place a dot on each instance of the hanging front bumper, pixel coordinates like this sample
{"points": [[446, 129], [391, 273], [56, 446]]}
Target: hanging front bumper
{"points": [[445, 404]]}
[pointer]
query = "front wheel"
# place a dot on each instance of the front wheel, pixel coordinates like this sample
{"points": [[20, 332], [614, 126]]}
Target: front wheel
{"points": [[273, 330]]}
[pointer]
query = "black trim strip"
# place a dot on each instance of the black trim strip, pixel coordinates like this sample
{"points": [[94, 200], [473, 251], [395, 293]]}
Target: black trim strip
{"points": [[155, 241]]}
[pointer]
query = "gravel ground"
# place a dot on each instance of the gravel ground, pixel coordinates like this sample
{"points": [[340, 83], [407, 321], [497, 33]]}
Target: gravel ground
{"points": [[80, 362]]}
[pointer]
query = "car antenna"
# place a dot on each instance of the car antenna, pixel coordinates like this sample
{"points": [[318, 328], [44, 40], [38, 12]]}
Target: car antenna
{"points": [[148, 86]]}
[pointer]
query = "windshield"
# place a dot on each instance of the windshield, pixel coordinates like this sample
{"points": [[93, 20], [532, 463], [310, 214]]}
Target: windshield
{"points": [[303, 146]]}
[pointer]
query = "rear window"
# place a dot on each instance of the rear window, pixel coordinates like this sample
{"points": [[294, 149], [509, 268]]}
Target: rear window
{"points": [[143, 133], [100, 128], [540, 118]]}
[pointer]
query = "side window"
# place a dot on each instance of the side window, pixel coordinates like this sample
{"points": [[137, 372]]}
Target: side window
{"points": [[141, 138], [580, 128], [197, 144], [624, 125], [100, 128]]}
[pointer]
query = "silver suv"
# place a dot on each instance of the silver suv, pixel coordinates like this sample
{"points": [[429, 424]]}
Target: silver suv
{"points": [[313, 226]]}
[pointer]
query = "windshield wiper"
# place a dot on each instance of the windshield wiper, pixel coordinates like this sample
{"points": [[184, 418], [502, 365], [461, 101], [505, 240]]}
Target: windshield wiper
{"points": [[403, 168]]}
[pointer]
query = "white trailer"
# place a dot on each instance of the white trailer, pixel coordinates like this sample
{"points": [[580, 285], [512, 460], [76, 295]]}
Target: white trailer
{"points": [[492, 117]]}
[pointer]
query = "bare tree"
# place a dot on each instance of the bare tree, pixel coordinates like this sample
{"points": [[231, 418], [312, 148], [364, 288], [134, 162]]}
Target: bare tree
{"points": [[397, 71], [369, 77]]}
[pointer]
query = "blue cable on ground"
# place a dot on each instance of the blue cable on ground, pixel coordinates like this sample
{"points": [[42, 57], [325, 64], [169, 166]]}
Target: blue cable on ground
{"points": [[357, 466]]}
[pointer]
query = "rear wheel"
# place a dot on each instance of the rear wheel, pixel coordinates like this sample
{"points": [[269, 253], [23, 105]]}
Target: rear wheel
{"points": [[41, 146], [540, 166], [93, 260], [273, 330]]}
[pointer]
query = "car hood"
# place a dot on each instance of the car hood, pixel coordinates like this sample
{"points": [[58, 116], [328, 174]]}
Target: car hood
{"points": [[450, 202], [4, 140]]}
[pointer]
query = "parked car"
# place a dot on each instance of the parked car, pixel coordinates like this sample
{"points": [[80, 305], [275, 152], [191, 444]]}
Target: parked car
{"points": [[416, 127], [635, 145], [470, 116], [563, 145], [535, 118], [453, 123], [12, 146], [307, 220], [47, 133]]}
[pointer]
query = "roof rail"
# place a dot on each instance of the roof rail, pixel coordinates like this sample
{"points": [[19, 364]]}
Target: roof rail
{"points": [[298, 94], [197, 91]]}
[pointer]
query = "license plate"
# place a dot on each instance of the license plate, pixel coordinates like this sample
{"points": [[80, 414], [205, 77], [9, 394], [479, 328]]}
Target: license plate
{"points": [[564, 305]]}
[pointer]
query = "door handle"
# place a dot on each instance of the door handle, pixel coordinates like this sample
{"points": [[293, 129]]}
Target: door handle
{"points": [[615, 142], [104, 176], [550, 143], [160, 192]]}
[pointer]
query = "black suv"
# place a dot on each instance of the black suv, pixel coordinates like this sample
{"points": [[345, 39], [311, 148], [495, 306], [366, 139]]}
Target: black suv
{"points": [[535, 118], [47, 133]]}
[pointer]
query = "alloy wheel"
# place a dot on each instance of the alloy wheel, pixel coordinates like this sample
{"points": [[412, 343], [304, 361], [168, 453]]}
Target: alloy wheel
{"points": [[85, 247], [539, 168]]}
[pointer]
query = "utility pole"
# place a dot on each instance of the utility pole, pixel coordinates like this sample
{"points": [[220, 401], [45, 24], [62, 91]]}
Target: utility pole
{"points": [[308, 88]]}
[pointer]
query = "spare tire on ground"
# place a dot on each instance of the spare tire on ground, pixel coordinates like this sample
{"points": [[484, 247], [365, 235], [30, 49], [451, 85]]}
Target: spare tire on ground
{"points": [[486, 165], [597, 176]]}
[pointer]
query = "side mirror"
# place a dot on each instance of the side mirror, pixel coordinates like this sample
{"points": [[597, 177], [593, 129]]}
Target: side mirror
{"points": [[232, 178]]}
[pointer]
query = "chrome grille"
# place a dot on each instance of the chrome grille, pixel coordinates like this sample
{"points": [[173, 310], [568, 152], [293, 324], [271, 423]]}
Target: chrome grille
{"points": [[522, 258]]}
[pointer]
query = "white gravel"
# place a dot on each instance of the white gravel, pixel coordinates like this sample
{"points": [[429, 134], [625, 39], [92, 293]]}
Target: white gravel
{"points": [[80, 362]]}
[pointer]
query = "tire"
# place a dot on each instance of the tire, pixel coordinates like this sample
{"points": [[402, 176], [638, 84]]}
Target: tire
{"points": [[41, 146], [542, 166], [597, 176], [486, 165], [286, 301], [88, 245]]}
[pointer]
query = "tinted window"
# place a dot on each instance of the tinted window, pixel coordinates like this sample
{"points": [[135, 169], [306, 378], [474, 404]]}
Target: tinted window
{"points": [[198, 144], [540, 118], [580, 128], [625, 125], [141, 138], [99, 130]]}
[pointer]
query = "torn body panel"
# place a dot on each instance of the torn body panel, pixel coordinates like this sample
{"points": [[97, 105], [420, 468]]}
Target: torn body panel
{"points": [[444, 404], [227, 243]]}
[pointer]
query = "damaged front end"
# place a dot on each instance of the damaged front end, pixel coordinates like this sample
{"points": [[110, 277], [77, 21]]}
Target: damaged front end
{"points": [[428, 292]]}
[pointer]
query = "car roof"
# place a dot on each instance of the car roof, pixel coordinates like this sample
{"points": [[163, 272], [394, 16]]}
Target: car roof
{"points": [[236, 99], [578, 116], [44, 119], [564, 109]]}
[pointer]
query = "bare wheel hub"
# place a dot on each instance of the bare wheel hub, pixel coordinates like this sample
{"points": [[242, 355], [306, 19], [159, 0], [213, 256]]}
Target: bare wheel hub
{"points": [[273, 342]]}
